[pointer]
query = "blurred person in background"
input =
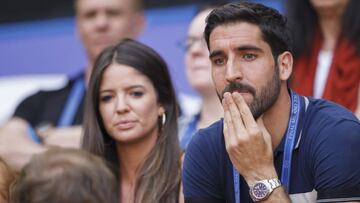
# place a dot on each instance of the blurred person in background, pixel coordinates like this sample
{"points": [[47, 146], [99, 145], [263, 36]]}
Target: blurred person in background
{"points": [[198, 72], [7, 177], [53, 117], [326, 47], [65, 176], [131, 120]]}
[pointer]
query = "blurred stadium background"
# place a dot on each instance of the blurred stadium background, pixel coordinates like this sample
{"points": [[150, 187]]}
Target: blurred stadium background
{"points": [[37, 38]]}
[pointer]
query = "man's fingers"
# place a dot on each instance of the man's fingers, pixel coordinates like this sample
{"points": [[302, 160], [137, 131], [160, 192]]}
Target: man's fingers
{"points": [[235, 115], [246, 115], [265, 132], [228, 127], [226, 118]]}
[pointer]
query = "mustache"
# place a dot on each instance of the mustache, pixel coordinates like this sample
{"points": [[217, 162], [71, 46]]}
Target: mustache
{"points": [[239, 87]]}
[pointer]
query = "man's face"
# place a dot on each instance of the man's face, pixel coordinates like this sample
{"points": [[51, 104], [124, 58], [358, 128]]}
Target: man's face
{"points": [[102, 23], [198, 66], [242, 61]]}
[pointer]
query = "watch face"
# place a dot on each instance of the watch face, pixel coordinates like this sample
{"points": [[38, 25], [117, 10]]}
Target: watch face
{"points": [[260, 191]]}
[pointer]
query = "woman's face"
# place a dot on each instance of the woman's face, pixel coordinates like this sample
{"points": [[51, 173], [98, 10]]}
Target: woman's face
{"points": [[128, 105], [328, 7]]}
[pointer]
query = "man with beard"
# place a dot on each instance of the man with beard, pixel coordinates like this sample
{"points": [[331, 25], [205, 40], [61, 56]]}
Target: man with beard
{"points": [[272, 145]]}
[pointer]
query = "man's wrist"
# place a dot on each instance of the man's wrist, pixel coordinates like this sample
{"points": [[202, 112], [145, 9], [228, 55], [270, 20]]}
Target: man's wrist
{"points": [[259, 175], [261, 190]]}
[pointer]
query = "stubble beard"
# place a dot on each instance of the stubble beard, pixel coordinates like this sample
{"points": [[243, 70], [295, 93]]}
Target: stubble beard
{"points": [[264, 99]]}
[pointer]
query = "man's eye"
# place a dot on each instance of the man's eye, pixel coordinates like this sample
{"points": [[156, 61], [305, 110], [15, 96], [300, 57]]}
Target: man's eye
{"points": [[114, 13], [219, 61], [105, 98], [89, 14], [249, 57], [188, 44]]}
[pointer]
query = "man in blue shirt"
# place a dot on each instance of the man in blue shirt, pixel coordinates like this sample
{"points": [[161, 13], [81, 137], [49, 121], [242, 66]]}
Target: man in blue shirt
{"points": [[272, 145]]}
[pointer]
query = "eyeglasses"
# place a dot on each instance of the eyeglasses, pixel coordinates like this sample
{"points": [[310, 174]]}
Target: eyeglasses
{"points": [[189, 42]]}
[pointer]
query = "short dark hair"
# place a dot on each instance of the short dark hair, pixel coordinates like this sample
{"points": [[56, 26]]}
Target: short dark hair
{"points": [[65, 175], [271, 23]]}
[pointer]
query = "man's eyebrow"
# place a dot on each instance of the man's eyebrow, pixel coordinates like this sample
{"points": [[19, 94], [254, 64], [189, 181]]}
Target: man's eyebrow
{"points": [[215, 53], [240, 48], [249, 48]]}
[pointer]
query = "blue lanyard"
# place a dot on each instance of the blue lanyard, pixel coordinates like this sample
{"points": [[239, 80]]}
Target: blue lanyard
{"points": [[72, 103], [190, 130], [236, 177], [33, 136], [288, 150], [290, 140], [70, 109]]}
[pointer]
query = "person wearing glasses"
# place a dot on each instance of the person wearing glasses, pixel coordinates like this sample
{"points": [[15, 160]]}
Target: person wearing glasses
{"points": [[198, 72]]}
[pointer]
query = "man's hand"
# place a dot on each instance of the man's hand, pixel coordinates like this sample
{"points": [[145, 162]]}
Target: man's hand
{"points": [[62, 137], [16, 147], [248, 143]]}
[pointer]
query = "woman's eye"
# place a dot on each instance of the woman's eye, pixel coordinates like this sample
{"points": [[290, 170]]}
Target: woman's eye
{"points": [[249, 57], [106, 98], [136, 94]]}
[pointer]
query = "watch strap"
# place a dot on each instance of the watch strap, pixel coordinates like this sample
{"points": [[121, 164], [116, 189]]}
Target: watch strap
{"points": [[274, 183], [270, 184]]}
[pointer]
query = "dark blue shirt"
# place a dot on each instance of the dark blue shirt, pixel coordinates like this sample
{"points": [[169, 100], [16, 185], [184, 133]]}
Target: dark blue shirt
{"points": [[325, 162]]}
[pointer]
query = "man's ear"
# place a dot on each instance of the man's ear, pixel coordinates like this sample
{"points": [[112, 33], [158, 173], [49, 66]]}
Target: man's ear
{"points": [[285, 64]]}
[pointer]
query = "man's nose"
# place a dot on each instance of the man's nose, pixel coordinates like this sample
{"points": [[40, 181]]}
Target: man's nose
{"points": [[101, 21], [233, 71]]}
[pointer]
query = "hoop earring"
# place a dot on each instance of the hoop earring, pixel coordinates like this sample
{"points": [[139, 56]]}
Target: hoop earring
{"points": [[163, 119]]}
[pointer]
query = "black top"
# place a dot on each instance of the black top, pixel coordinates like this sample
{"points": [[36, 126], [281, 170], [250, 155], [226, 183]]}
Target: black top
{"points": [[45, 107]]}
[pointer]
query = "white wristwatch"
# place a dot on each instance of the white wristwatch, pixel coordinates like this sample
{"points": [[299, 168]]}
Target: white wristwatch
{"points": [[262, 189]]}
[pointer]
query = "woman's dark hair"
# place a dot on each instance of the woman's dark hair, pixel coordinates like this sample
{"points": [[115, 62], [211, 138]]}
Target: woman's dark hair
{"points": [[271, 23], [159, 177], [303, 22]]}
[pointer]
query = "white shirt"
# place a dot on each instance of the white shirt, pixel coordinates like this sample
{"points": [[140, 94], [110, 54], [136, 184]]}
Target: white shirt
{"points": [[322, 72]]}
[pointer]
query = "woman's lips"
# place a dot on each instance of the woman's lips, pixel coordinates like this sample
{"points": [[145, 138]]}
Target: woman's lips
{"points": [[125, 125]]}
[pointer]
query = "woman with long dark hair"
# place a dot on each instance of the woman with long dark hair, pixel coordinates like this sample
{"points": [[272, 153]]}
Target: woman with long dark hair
{"points": [[326, 46], [131, 120]]}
